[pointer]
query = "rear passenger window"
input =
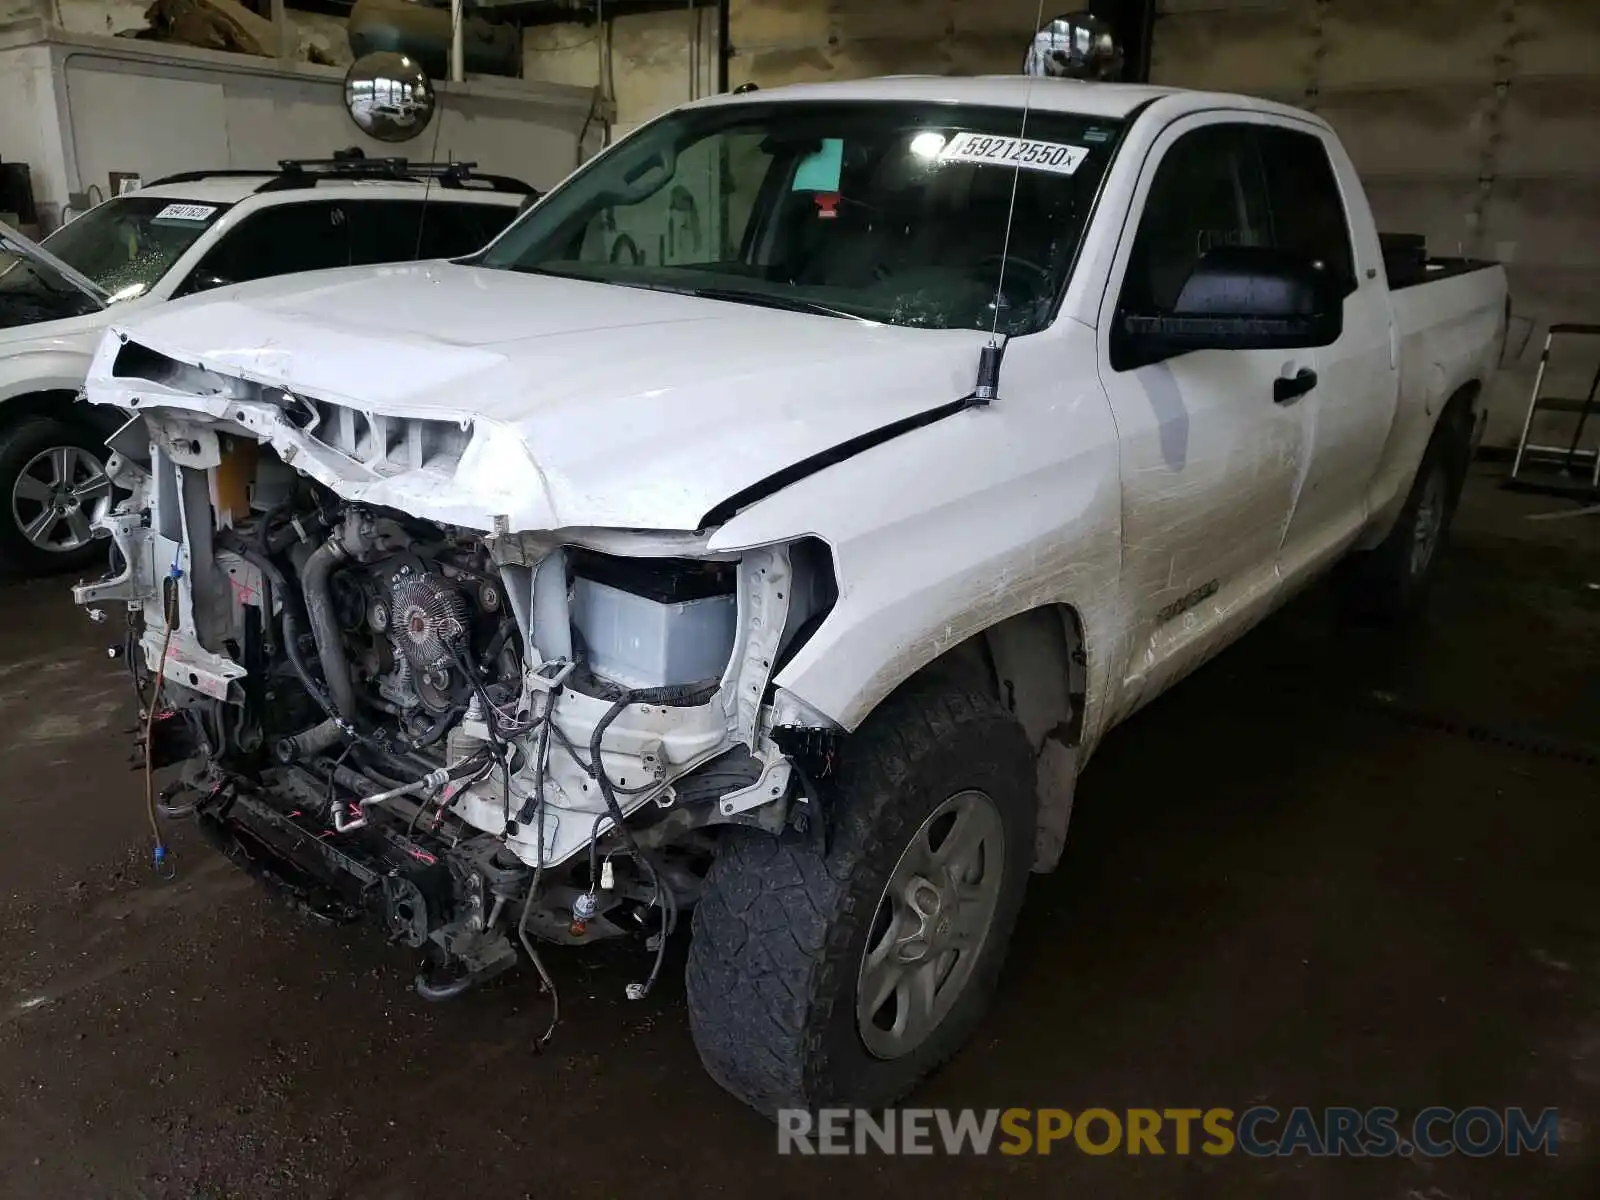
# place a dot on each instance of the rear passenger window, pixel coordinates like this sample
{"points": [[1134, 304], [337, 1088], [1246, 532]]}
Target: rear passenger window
{"points": [[385, 231], [1308, 215], [279, 240]]}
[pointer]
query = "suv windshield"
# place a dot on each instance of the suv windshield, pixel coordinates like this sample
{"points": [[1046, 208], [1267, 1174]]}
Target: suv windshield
{"points": [[890, 211], [127, 244]]}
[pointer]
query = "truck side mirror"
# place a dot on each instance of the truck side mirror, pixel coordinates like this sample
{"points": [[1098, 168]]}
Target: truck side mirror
{"points": [[1241, 298]]}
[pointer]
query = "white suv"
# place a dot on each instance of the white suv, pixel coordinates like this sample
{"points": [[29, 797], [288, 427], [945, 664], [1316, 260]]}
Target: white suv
{"points": [[176, 237]]}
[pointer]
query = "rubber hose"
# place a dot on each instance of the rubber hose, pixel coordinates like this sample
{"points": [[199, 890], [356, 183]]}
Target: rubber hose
{"points": [[313, 525], [291, 629], [362, 755], [309, 742], [437, 730], [263, 541], [383, 763], [498, 642], [325, 628]]}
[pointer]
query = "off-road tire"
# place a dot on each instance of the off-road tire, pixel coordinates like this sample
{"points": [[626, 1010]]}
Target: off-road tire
{"points": [[780, 928], [18, 445], [1382, 586]]}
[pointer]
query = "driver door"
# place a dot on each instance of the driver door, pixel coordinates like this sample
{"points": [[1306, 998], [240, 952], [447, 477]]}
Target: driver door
{"points": [[1211, 464]]}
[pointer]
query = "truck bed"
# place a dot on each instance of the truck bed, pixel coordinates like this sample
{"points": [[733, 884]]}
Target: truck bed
{"points": [[1448, 336], [1435, 269], [1407, 263]]}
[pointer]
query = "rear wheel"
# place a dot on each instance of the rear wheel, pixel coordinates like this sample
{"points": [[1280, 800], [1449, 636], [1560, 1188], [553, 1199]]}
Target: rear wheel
{"points": [[54, 485], [847, 977], [1388, 583]]}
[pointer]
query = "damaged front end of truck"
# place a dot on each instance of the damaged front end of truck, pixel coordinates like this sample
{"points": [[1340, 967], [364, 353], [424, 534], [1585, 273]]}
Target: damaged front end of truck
{"points": [[392, 698]]}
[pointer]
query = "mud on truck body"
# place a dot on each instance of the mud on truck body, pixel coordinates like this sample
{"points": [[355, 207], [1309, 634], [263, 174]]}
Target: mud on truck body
{"points": [[545, 596]]}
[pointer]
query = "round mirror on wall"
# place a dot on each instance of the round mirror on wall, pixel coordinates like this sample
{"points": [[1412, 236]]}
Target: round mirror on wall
{"points": [[1076, 45], [389, 96]]}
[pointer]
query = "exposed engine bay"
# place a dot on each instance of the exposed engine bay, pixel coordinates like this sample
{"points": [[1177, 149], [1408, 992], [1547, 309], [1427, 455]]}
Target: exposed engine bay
{"points": [[485, 739]]}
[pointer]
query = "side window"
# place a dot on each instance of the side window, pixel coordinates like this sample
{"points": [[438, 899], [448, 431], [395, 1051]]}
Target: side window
{"points": [[1207, 192], [279, 240], [1308, 215], [386, 231]]}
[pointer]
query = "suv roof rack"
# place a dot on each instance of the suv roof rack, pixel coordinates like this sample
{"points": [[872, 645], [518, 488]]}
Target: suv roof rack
{"points": [[354, 164], [196, 176]]}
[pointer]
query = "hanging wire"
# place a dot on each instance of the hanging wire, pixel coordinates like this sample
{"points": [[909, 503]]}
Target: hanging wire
{"points": [[161, 861]]}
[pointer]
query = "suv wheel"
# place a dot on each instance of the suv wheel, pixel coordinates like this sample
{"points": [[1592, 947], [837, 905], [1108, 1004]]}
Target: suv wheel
{"points": [[847, 977], [53, 487]]}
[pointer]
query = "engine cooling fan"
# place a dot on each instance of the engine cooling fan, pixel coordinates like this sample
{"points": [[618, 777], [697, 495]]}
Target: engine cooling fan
{"points": [[429, 621]]}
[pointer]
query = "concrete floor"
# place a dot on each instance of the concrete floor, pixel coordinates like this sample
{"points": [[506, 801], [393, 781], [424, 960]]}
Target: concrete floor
{"points": [[1280, 888]]}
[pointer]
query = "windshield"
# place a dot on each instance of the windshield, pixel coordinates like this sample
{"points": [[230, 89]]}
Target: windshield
{"points": [[889, 211], [126, 245]]}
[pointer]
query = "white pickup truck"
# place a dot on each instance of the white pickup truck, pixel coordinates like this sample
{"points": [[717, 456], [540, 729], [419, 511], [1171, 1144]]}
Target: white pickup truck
{"points": [[771, 522]]}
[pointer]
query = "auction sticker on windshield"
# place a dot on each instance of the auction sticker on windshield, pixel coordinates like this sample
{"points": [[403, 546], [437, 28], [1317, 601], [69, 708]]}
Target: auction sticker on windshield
{"points": [[186, 212], [1056, 157]]}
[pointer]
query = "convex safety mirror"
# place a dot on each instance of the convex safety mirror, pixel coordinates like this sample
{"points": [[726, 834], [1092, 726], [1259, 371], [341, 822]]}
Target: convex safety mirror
{"points": [[389, 96], [1077, 45]]}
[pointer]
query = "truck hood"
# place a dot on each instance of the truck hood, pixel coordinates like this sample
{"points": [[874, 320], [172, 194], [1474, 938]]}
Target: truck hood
{"points": [[589, 404]]}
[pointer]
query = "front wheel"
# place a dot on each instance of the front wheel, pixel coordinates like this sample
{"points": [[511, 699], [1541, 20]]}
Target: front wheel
{"points": [[845, 978], [54, 484]]}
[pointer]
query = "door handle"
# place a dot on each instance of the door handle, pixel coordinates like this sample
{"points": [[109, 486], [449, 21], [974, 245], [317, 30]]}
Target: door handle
{"points": [[1287, 391]]}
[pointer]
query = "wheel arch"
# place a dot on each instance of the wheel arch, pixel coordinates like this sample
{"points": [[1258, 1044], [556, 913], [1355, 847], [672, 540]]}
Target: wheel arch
{"points": [[36, 402], [1460, 410], [1036, 664]]}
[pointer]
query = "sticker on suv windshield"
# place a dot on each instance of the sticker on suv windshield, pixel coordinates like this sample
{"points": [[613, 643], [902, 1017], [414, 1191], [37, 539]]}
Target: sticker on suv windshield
{"points": [[186, 212], [1056, 157]]}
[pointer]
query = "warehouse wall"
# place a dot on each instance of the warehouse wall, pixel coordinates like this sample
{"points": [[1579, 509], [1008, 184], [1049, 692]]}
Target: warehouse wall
{"points": [[108, 18], [651, 56], [785, 41], [781, 41], [77, 113], [1476, 122], [794, 41], [30, 124]]}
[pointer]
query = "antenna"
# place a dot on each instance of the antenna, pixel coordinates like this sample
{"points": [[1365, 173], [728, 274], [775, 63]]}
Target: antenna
{"points": [[456, 11], [989, 357], [1011, 210]]}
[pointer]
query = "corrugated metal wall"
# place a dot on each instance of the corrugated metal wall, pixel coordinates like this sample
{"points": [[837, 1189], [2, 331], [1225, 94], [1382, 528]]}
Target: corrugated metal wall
{"points": [[657, 59], [784, 41], [793, 41], [1476, 122]]}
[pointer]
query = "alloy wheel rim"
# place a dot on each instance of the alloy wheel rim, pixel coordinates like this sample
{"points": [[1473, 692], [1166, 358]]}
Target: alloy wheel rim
{"points": [[930, 925], [58, 496]]}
